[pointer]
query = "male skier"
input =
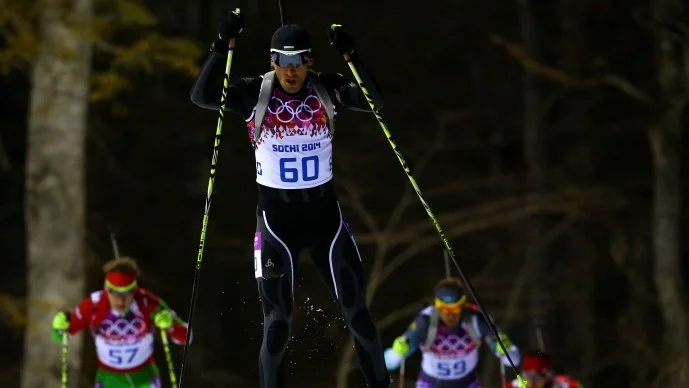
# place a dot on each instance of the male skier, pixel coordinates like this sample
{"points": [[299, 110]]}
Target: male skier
{"points": [[123, 319], [290, 119], [449, 334]]}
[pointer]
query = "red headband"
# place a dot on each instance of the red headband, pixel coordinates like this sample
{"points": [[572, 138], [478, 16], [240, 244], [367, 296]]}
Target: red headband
{"points": [[536, 364], [120, 279]]}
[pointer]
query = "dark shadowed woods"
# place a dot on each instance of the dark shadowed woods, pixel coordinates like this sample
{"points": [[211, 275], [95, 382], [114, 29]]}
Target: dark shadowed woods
{"points": [[546, 135]]}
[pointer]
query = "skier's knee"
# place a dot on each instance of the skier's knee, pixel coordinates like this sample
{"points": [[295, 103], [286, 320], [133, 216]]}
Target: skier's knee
{"points": [[362, 324], [277, 336], [351, 288], [276, 296], [347, 293], [352, 260]]}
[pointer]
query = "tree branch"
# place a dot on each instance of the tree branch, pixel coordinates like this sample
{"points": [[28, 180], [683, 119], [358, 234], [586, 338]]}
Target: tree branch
{"points": [[457, 187], [400, 313], [560, 76], [407, 196], [353, 201], [422, 244], [483, 209], [528, 267]]}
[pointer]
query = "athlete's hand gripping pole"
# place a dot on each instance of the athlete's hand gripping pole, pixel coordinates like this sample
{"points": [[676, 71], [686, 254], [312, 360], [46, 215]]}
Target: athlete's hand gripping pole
{"points": [[164, 320], [204, 223], [60, 331], [434, 219]]}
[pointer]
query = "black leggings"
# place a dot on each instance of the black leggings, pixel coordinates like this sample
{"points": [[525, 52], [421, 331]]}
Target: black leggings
{"points": [[283, 230]]}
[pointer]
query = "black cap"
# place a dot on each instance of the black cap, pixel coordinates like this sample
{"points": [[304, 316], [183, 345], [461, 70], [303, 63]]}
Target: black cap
{"points": [[290, 37]]}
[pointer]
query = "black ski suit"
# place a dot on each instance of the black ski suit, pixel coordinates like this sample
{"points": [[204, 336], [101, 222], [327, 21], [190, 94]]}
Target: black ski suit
{"points": [[291, 219]]}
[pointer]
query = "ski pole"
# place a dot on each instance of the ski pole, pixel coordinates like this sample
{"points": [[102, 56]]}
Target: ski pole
{"points": [[434, 219], [113, 241], [168, 358], [283, 19], [402, 373], [65, 360], [502, 374], [539, 334], [209, 193]]}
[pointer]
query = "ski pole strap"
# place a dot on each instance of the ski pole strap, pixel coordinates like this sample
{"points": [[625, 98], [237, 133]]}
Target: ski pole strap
{"points": [[472, 328], [323, 97], [470, 324], [263, 100], [266, 93], [432, 329]]}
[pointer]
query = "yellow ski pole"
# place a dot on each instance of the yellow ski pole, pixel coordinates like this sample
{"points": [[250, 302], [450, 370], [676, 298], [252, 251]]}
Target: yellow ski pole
{"points": [[65, 363], [168, 358], [434, 219], [209, 193]]}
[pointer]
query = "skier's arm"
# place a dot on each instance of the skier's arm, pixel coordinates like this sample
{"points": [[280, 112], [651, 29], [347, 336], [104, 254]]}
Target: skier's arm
{"points": [[206, 92], [484, 330], [416, 333], [348, 93], [167, 319], [72, 322], [406, 344]]}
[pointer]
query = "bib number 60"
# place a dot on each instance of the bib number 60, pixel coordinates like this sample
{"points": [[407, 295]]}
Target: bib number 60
{"points": [[290, 173], [452, 368]]}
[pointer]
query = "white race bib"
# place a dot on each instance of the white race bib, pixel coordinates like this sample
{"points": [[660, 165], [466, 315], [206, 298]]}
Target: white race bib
{"points": [[124, 355], [295, 149], [449, 367], [294, 162]]}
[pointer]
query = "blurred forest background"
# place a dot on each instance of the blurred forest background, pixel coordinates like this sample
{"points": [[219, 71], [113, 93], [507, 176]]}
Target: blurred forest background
{"points": [[545, 134]]}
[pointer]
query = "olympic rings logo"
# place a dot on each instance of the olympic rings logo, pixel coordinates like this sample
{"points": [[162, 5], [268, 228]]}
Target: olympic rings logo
{"points": [[294, 109], [451, 344], [122, 327]]}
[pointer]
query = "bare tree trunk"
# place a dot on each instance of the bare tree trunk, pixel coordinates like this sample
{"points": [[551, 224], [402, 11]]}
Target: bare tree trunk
{"points": [[55, 198], [665, 137]]}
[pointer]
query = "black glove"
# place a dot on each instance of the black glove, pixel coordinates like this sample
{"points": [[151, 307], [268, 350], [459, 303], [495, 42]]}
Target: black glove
{"points": [[232, 26], [220, 46], [340, 40]]}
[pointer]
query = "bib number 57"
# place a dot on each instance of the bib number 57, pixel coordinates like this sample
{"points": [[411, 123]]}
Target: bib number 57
{"points": [[291, 172], [452, 368], [120, 356]]}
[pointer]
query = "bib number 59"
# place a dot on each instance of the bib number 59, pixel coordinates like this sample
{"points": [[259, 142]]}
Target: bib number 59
{"points": [[291, 173], [452, 368]]}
